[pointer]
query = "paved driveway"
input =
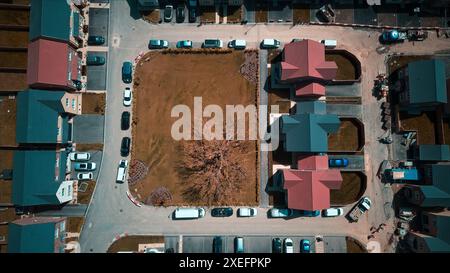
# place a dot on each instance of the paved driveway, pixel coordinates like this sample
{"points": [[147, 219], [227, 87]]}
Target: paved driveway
{"points": [[96, 74], [88, 129], [96, 157], [355, 162], [280, 11], [98, 22], [347, 90], [345, 110]]}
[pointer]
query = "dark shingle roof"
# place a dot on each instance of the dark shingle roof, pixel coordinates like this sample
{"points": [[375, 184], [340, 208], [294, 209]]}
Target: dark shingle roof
{"points": [[50, 19], [427, 82]]}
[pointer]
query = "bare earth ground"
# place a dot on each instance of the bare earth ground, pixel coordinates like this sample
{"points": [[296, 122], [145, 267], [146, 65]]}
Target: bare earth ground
{"points": [[85, 197], [74, 224], [6, 162], [301, 14], [350, 190], [13, 59], [8, 121], [152, 16], [93, 103], [178, 79], [346, 138], [14, 17], [9, 38], [424, 124], [234, 14], [131, 243], [13, 81], [261, 13], [346, 70], [89, 147]]}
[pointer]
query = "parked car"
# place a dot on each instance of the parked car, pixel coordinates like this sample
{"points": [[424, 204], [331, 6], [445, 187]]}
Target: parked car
{"points": [[85, 176], [96, 40], [288, 245], [192, 11], [332, 212], [277, 245], [237, 44], [79, 156], [180, 13], [217, 244], [212, 43], [247, 212], [122, 171], [305, 246], [238, 245], [309, 213], [85, 166], [184, 44], [168, 13], [127, 72], [158, 44], [125, 121], [221, 212], [270, 43], [280, 213], [188, 213], [95, 60], [127, 96], [338, 162], [125, 146]]}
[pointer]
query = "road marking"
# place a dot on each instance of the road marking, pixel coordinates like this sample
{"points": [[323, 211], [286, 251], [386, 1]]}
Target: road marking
{"points": [[180, 244]]}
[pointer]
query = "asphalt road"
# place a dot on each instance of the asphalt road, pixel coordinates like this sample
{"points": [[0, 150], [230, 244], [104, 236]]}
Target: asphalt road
{"points": [[111, 213]]}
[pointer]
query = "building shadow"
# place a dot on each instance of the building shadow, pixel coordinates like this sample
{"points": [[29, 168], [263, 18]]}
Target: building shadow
{"points": [[134, 9]]}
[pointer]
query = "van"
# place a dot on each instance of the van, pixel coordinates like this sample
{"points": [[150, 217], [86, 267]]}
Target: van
{"points": [[127, 71], [189, 213], [238, 245], [332, 212], [122, 171], [237, 44], [329, 43], [212, 43]]}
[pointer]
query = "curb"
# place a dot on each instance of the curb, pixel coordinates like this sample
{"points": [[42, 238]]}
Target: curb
{"points": [[135, 202]]}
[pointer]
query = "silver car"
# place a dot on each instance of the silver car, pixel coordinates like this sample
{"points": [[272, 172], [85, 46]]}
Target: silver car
{"points": [[85, 176]]}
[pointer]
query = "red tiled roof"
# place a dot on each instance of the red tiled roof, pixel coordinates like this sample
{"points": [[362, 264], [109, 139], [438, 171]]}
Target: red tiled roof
{"points": [[309, 89], [306, 59], [308, 188]]}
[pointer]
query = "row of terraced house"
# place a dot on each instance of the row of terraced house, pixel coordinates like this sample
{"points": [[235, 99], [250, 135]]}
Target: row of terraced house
{"points": [[41, 169]]}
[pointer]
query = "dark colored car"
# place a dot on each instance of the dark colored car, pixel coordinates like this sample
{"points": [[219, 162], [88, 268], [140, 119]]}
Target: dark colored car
{"points": [[125, 121], [192, 14], [168, 10], [309, 213], [217, 244], [221, 212], [95, 60], [180, 13], [125, 146], [277, 245], [127, 72], [305, 246], [96, 40]]}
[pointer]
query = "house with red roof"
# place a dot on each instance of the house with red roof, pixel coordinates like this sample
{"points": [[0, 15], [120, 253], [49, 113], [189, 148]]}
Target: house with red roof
{"points": [[308, 187], [53, 65], [303, 68]]}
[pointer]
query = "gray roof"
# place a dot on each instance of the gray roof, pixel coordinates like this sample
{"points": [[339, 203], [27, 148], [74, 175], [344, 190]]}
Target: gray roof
{"points": [[434, 152], [427, 82]]}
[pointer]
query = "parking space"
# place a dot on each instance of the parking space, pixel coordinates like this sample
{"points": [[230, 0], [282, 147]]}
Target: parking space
{"points": [[335, 244], [96, 74], [252, 244], [355, 162], [96, 157], [88, 129], [365, 16], [98, 22], [351, 90], [280, 11], [345, 110]]}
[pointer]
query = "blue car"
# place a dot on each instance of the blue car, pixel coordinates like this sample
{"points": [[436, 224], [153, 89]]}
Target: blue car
{"points": [[310, 213], [338, 162], [184, 44], [305, 246]]}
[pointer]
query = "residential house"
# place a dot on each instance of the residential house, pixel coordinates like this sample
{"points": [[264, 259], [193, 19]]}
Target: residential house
{"points": [[422, 85], [303, 68], [45, 117], [37, 235], [53, 64], [41, 177], [434, 235], [56, 20], [435, 191], [307, 130], [308, 187]]}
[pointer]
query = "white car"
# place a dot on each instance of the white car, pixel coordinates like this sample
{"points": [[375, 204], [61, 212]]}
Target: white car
{"points": [[280, 213], [127, 96], [247, 212], [85, 176], [270, 43], [237, 44], [288, 245], [79, 156], [332, 212], [122, 171]]}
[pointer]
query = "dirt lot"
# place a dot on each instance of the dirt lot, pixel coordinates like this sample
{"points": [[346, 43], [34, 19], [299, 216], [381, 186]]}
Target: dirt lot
{"points": [[234, 14], [353, 186], [85, 197], [93, 103], [8, 124], [131, 243], [344, 16], [13, 59], [74, 224], [13, 81], [424, 124], [9, 38], [207, 14], [346, 139], [89, 147], [14, 17], [158, 92], [346, 70], [152, 16], [261, 12], [353, 246], [301, 14]]}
